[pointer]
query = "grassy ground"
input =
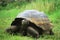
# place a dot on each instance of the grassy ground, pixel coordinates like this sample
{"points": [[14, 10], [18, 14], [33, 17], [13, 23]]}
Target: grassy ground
{"points": [[49, 7]]}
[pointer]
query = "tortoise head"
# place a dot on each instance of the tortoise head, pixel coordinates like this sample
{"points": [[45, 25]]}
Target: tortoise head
{"points": [[11, 30]]}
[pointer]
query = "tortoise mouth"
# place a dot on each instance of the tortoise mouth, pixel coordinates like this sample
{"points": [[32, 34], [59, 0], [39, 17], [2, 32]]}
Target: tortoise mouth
{"points": [[10, 31]]}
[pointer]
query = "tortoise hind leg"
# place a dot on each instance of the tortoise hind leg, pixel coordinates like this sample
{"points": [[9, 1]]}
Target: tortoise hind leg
{"points": [[51, 32]]}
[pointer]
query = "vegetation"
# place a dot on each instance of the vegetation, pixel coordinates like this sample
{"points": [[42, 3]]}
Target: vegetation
{"points": [[9, 12]]}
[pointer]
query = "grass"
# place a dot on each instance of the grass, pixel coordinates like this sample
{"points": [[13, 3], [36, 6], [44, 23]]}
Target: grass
{"points": [[50, 7]]}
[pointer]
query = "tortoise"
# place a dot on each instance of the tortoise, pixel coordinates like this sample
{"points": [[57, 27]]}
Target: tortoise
{"points": [[33, 22], [38, 18]]}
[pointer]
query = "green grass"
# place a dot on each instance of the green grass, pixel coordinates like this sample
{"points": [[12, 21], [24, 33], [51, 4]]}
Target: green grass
{"points": [[50, 7]]}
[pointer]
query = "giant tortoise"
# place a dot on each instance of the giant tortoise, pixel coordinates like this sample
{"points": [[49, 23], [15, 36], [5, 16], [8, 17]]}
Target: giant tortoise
{"points": [[31, 22]]}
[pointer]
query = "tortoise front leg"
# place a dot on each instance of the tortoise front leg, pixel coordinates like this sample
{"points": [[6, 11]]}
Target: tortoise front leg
{"points": [[24, 25], [32, 32]]}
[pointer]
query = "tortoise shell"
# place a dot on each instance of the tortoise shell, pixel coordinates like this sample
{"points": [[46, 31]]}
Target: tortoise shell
{"points": [[36, 17]]}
